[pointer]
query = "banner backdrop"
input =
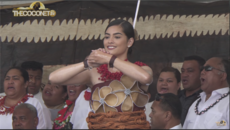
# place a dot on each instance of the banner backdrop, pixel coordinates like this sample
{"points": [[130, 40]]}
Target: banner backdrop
{"points": [[167, 32]]}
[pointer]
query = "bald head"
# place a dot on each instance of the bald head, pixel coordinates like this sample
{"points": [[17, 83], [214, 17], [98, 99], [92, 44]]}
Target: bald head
{"points": [[224, 65], [215, 75], [218, 61]]}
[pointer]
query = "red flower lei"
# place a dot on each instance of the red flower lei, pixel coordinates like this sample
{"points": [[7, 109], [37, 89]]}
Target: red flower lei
{"points": [[5, 110], [61, 113], [107, 75], [87, 95]]}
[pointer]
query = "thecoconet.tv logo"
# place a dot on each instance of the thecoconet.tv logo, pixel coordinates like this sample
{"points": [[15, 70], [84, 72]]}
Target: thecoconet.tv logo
{"points": [[37, 8]]}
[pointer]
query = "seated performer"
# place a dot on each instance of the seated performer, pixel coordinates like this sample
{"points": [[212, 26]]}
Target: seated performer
{"points": [[211, 109], [54, 97], [168, 81], [15, 86], [25, 116], [118, 86], [166, 112], [65, 114]]}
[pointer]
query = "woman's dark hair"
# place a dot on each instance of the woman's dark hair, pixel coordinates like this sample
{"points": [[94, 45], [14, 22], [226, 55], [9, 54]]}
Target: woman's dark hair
{"points": [[24, 73], [175, 71], [127, 29]]}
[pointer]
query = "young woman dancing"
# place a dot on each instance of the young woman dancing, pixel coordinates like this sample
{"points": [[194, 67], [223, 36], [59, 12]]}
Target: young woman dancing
{"points": [[118, 86]]}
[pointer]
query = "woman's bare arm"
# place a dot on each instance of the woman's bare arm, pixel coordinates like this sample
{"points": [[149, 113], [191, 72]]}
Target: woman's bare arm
{"points": [[141, 74], [71, 74]]}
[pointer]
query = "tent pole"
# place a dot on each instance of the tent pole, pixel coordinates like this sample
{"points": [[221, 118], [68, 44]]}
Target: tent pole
{"points": [[137, 9]]}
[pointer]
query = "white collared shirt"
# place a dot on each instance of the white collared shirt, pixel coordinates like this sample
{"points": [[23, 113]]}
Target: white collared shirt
{"points": [[177, 127], [148, 110], [43, 116], [210, 119], [80, 112], [39, 97]]}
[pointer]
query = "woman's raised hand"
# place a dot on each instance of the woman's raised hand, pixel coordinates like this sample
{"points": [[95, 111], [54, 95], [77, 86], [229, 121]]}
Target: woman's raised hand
{"points": [[98, 57], [103, 50]]}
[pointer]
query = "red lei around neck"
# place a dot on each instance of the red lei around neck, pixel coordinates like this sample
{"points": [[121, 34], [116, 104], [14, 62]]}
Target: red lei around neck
{"points": [[9, 110], [62, 112], [107, 75]]}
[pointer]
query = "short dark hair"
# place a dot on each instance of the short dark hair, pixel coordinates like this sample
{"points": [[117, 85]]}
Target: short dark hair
{"points": [[33, 65], [175, 71], [24, 73], [127, 29], [200, 60], [171, 102]]}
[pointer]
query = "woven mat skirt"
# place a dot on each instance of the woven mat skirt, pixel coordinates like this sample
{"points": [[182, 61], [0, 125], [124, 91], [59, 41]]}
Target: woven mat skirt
{"points": [[118, 120]]}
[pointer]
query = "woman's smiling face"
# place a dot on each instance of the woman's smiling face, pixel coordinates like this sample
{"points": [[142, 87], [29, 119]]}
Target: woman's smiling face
{"points": [[115, 41]]}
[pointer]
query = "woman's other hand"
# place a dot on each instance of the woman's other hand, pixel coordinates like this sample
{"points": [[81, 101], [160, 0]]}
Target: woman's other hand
{"points": [[98, 57], [103, 50]]}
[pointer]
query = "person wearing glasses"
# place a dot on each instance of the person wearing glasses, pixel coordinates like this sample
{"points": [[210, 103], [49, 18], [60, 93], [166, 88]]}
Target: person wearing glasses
{"points": [[190, 77], [169, 81], [166, 112], [211, 109], [35, 70]]}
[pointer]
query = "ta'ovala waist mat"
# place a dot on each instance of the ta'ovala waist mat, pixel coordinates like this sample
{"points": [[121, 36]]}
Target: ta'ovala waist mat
{"points": [[118, 120]]}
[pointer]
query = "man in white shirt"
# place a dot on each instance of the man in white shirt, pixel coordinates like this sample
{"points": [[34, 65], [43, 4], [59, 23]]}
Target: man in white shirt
{"points": [[44, 116], [211, 110], [35, 70], [81, 111], [166, 112], [148, 108]]}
